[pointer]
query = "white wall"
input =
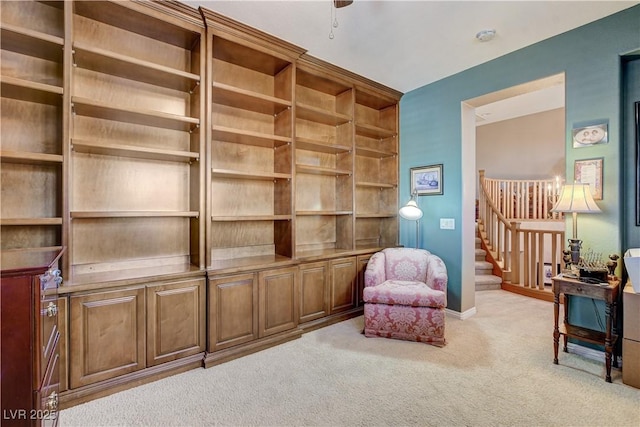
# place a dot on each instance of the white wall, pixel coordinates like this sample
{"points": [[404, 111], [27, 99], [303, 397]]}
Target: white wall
{"points": [[528, 147]]}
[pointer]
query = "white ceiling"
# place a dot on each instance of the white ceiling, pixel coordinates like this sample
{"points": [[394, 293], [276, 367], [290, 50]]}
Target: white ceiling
{"points": [[408, 44]]}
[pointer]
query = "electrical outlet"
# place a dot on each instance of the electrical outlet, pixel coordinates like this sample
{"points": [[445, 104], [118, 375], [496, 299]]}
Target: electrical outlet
{"points": [[447, 223]]}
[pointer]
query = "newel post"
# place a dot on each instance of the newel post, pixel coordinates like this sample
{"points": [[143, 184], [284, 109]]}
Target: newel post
{"points": [[515, 252]]}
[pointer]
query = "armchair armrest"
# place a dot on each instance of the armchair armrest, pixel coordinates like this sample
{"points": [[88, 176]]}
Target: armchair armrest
{"points": [[436, 273], [375, 271]]}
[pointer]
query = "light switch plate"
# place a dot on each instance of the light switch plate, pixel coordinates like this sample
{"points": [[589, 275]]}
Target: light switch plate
{"points": [[447, 223]]}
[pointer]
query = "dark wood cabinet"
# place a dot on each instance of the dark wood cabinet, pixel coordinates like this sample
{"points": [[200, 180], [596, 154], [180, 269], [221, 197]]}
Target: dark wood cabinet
{"points": [[343, 284], [314, 291], [176, 313], [278, 304], [233, 311], [29, 354], [107, 335]]}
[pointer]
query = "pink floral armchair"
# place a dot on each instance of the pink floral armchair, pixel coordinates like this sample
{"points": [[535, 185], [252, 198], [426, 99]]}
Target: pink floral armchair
{"points": [[405, 295]]}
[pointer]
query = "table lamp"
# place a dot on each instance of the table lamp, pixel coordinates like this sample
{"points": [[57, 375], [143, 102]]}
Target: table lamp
{"points": [[412, 212], [575, 198]]}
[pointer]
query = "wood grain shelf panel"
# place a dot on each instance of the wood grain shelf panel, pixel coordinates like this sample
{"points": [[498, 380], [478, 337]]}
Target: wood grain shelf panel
{"points": [[30, 221], [375, 184], [375, 215], [318, 115], [373, 152], [319, 170], [375, 132], [246, 57], [248, 263], [375, 101], [234, 218], [248, 100], [103, 110], [104, 61], [92, 147], [134, 214], [241, 136], [323, 213], [320, 147], [119, 15], [25, 90], [263, 176], [24, 157], [31, 42], [320, 83]]}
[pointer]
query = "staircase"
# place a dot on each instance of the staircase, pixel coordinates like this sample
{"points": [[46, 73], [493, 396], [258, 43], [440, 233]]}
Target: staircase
{"points": [[485, 280]]}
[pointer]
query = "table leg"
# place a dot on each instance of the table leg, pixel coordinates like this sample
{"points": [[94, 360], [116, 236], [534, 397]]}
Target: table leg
{"points": [[556, 331], [608, 349]]}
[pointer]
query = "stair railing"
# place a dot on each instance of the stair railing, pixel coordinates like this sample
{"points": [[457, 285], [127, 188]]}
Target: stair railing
{"points": [[527, 256]]}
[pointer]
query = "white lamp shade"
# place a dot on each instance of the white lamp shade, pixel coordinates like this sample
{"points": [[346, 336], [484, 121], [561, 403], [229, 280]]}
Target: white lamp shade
{"points": [[576, 198], [411, 211]]}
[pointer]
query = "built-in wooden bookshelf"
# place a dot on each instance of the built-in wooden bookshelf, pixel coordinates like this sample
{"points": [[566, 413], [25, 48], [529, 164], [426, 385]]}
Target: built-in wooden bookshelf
{"points": [[136, 142], [32, 132]]}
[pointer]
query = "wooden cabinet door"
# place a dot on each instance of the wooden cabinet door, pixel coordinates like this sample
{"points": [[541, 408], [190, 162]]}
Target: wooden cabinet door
{"points": [[278, 300], [233, 311], [361, 262], [314, 291], [175, 320], [107, 335], [343, 284]]}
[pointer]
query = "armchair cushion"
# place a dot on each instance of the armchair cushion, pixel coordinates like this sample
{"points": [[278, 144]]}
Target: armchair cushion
{"points": [[402, 292]]}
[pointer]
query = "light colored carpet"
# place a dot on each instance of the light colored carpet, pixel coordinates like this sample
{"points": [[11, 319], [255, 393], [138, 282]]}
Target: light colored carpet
{"points": [[496, 370]]}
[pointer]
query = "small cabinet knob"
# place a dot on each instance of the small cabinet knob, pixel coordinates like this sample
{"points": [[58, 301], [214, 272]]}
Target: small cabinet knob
{"points": [[52, 310], [51, 404]]}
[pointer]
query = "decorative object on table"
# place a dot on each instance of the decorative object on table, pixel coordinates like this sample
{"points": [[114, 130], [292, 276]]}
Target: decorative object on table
{"points": [[589, 171], [593, 265], [612, 264], [576, 198], [427, 180], [412, 212], [585, 136], [566, 257]]}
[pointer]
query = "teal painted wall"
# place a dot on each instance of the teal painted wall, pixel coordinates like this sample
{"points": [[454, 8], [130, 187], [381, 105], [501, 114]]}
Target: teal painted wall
{"points": [[430, 129]]}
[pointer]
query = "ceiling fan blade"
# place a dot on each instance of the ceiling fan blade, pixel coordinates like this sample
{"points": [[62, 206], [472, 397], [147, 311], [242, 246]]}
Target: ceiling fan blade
{"points": [[341, 3]]}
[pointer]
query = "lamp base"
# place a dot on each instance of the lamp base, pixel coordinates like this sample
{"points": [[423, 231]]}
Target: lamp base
{"points": [[574, 247]]}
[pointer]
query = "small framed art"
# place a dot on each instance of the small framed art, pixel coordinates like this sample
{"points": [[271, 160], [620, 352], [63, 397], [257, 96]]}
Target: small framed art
{"points": [[586, 136], [427, 180], [589, 171]]}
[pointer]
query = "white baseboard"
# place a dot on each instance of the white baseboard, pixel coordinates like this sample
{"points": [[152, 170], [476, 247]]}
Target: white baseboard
{"points": [[462, 316]]}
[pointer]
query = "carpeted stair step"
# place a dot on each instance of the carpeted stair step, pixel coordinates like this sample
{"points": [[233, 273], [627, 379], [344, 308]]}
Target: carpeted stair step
{"points": [[481, 254], [488, 282], [483, 268]]}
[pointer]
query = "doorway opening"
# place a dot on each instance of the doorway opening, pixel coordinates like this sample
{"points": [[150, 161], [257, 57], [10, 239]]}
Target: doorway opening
{"points": [[510, 104]]}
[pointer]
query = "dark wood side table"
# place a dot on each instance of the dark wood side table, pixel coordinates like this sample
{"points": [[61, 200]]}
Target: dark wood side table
{"points": [[609, 294]]}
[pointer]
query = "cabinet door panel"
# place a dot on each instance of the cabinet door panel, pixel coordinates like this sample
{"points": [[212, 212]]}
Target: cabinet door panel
{"points": [[343, 284], [233, 311], [175, 320], [107, 333], [314, 291], [278, 300]]}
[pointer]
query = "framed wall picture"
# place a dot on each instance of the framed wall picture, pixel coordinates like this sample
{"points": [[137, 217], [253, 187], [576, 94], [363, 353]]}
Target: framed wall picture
{"points": [[427, 180], [585, 136], [589, 171]]}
